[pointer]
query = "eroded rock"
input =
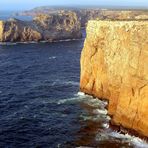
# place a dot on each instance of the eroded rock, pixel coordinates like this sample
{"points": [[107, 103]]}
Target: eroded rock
{"points": [[86, 14], [51, 27], [114, 66]]}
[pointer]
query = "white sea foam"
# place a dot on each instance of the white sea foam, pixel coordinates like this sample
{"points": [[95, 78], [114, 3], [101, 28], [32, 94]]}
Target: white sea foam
{"points": [[81, 94], [77, 97], [96, 103], [101, 115], [70, 100], [108, 118], [105, 125], [53, 57], [56, 82], [136, 141], [86, 117], [139, 143], [100, 111], [71, 82]]}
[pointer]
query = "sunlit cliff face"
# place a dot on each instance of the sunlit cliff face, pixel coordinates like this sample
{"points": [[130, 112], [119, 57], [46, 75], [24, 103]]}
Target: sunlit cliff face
{"points": [[1, 29], [114, 66]]}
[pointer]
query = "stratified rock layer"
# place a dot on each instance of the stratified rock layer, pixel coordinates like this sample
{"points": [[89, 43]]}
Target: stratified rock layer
{"points": [[56, 26], [114, 65]]}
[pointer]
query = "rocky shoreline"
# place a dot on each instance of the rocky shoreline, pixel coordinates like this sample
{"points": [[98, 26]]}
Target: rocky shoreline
{"points": [[54, 27]]}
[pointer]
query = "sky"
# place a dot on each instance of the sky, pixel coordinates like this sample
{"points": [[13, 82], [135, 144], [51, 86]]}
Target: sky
{"points": [[29, 4]]}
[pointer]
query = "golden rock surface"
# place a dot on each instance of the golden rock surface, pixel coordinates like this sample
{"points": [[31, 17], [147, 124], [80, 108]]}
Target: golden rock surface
{"points": [[1, 29], [114, 65]]}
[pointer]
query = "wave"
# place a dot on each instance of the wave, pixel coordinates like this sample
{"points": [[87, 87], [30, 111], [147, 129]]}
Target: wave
{"points": [[35, 42], [96, 103], [132, 140], [57, 82], [69, 100], [81, 94], [105, 125], [136, 141], [53, 57], [100, 115], [78, 97], [72, 83], [99, 111]]}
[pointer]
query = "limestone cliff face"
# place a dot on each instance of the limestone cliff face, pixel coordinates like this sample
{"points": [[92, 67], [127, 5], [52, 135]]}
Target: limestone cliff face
{"points": [[44, 27], [1, 29], [114, 66]]}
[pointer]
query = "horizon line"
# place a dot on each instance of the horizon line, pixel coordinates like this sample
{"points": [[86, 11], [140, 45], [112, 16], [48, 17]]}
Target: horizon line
{"points": [[82, 6]]}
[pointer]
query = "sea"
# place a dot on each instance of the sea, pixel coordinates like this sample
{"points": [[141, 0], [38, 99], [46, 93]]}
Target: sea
{"points": [[40, 102]]}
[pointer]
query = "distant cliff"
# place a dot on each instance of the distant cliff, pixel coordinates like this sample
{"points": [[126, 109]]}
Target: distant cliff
{"points": [[57, 26], [114, 66], [86, 14]]}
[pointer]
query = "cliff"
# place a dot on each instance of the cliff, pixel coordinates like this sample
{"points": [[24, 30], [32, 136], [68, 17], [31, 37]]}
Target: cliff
{"points": [[93, 14], [1, 29], [57, 26], [85, 14], [114, 66]]}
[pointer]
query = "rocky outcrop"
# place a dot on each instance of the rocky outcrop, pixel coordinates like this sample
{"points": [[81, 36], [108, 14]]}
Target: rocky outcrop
{"points": [[57, 26], [15, 30], [114, 66], [86, 14]]}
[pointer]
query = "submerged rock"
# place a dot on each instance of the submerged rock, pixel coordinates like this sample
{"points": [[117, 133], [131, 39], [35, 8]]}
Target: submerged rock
{"points": [[56, 26], [114, 66]]}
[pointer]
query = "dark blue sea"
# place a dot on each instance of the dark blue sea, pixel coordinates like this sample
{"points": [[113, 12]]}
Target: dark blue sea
{"points": [[40, 102]]}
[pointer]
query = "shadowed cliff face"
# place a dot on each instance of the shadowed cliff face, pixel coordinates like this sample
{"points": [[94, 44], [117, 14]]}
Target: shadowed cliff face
{"points": [[57, 26], [114, 66]]}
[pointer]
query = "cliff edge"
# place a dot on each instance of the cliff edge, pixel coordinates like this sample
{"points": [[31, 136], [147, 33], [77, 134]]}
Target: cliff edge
{"points": [[56, 26], [114, 66]]}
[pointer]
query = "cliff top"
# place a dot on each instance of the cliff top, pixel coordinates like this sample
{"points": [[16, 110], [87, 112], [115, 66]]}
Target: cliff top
{"points": [[106, 22], [119, 20]]}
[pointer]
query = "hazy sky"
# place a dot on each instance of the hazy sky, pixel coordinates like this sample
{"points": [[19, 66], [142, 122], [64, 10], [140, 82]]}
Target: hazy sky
{"points": [[28, 4]]}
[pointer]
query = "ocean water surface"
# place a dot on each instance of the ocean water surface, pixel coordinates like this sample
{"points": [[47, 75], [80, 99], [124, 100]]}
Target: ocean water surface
{"points": [[40, 102]]}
